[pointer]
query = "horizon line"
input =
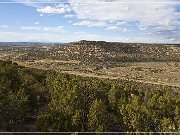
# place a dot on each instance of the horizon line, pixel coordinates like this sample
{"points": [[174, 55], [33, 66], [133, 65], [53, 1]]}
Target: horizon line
{"points": [[85, 40]]}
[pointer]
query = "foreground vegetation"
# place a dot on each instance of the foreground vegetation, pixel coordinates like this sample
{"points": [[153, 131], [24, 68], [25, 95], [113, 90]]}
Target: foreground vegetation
{"points": [[38, 100]]}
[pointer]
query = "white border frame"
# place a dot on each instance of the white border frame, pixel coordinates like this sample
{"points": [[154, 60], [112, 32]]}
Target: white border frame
{"points": [[44, 2]]}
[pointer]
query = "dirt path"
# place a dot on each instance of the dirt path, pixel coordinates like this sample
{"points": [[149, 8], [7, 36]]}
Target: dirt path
{"points": [[110, 77], [104, 76]]}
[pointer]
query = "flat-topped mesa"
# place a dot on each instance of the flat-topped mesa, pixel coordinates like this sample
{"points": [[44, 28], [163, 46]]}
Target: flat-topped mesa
{"points": [[85, 42], [84, 46], [118, 48]]}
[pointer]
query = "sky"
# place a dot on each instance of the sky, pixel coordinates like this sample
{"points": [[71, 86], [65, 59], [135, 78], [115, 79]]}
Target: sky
{"points": [[144, 21]]}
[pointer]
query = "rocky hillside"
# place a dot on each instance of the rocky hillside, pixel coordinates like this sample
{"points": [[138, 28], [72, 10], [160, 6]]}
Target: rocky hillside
{"points": [[96, 52], [129, 48], [112, 51]]}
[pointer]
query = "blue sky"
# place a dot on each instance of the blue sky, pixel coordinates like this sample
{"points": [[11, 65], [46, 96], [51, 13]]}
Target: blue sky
{"points": [[153, 21]]}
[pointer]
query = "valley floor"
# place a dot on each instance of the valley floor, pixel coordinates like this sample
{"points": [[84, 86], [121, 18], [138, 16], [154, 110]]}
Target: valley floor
{"points": [[162, 73]]}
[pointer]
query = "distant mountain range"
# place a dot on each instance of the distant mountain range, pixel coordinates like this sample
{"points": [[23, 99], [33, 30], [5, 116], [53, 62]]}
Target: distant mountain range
{"points": [[80, 42], [27, 43]]}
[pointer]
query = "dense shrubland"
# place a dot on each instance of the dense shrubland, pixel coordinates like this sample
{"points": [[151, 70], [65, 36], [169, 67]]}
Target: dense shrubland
{"points": [[95, 52], [63, 102]]}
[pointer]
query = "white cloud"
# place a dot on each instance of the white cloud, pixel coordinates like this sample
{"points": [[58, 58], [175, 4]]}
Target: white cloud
{"points": [[113, 28], [57, 9], [51, 10], [69, 16], [117, 28], [36, 23], [80, 33], [166, 32], [141, 28], [4, 26], [45, 29], [54, 29], [31, 28], [150, 16], [146, 14], [124, 30], [121, 23], [91, 23]]}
